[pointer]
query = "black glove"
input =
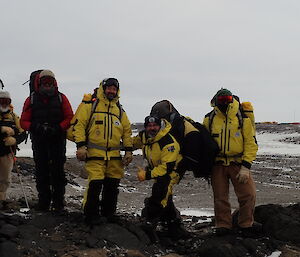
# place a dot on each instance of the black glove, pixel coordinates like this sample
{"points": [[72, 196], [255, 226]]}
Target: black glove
{"points": [[54, 129]]}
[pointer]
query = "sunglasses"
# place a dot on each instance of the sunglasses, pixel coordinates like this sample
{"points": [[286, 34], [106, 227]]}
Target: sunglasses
{"points": [[224, 99], [5, 101]]}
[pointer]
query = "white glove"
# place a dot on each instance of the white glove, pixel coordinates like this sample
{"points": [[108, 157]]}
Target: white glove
{"points": [[243, 175]]}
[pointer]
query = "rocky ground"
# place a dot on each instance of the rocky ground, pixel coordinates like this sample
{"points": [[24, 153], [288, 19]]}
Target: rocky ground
{"points": [[29, 233]]}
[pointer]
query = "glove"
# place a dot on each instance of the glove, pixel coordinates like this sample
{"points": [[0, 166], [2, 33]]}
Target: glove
{"points": [[81, 153], [53, 129], [9, 131], [127, 158], [9, 141], [243, 175], [141, 174]]}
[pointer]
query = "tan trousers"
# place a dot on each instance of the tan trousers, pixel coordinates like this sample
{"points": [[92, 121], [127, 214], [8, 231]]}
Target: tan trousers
{"points": [[6, 166], [246, 195]]}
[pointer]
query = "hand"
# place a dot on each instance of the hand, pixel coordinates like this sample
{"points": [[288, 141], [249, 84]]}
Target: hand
{"points": [[53, 129], [243, 175], [9, 131], [127, 158], [9, 141], [81, 153], [141, 174]]}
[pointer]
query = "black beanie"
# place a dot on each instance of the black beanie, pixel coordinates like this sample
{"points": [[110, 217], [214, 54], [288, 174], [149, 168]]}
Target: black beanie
{"points": [[110, 82], [154, 119]]}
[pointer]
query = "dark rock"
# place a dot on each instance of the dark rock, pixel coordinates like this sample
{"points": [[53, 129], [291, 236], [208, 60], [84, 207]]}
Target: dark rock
{"points": [[8, 249], [9, 231], [115, 235]]}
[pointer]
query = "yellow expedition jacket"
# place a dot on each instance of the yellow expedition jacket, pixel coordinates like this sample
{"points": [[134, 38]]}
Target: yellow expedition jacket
{"points": [[108, 127], [161, 152], [236, 144]]}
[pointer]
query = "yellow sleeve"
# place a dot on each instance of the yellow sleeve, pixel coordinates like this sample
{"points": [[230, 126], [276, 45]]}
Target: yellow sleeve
{"points": [[169, 155], [83, 117], [126, 138], [250, 145], [137, 142], [206, 123]]}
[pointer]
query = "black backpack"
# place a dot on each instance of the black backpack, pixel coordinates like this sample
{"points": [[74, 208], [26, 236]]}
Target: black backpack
{"points": [[198, 147]]}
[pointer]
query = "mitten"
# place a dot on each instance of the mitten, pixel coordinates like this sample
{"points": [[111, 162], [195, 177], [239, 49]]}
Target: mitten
{"points": [[243, 175]]}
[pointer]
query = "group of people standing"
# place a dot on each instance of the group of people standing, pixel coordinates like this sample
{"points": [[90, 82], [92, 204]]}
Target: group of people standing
{"points": [[101, 130]]}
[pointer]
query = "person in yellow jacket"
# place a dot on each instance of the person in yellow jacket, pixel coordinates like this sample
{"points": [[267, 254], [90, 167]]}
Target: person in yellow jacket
{"points": [[11, 134], [161, 150], [238, 150], [98, 137]]}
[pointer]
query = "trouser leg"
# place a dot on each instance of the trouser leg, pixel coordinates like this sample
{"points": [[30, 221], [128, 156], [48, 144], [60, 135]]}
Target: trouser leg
{"points": [[58, 180], [246, 194], [6, 165], [220, 186], [155, 204], [92, 201], [42, 173], [109, 196]]}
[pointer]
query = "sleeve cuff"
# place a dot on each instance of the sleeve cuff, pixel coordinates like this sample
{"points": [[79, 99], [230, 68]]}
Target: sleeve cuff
{"points": [[246, 164], [80, 144]]}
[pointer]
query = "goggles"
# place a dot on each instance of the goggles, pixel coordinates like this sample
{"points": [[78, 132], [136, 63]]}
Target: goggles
{"points": [[224, 99], [5, 101], [47, 80]]}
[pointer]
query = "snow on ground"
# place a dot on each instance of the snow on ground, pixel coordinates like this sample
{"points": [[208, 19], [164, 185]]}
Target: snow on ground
{"points": [[269, 143]]}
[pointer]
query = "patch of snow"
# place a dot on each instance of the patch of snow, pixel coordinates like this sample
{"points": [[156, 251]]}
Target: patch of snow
{"points": [[197, 212], [275, 254], [268, 143]]}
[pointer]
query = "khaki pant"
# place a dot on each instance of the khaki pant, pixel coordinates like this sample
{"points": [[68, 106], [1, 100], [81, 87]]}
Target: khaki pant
{"points": [[6, 166], [246, 195]]}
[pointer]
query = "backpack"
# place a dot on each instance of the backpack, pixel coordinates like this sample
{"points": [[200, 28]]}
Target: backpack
{"points": [[205, 150], [198, 147], [245, 111], [88, 99]]}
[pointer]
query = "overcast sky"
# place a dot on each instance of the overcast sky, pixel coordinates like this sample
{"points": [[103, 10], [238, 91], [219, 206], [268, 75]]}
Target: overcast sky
{"points": [[181, 50]]}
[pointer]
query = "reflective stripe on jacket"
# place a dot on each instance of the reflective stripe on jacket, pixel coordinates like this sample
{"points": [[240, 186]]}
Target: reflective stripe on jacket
{"points": [[236, 144]]}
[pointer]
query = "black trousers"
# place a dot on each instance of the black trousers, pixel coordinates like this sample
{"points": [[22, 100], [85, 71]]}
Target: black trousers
{"points": [[49, 156], [154, 211]]}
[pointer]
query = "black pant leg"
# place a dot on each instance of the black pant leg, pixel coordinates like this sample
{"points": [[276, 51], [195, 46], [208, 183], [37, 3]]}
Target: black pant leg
{"points": [[42, 172], [109, 196], [91, 207]]}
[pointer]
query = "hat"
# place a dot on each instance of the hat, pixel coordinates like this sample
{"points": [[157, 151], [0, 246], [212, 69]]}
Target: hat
{"points": [[223, 91], [152, 119], [47, 73], [4, 94], [110, 82], [163, 109]]}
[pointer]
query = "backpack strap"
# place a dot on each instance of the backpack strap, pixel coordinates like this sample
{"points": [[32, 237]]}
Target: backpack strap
{"points": [[240, 119], [120, 109]]}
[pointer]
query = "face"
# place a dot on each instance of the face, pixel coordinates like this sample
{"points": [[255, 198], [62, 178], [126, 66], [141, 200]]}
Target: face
{"points": [[152, 129], [111, 92], [4, 104], [47, 86], [223, 101]]}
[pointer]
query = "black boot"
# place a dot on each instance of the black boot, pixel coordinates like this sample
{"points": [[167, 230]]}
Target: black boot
{"points": [[176, 230], [150, 229]]}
